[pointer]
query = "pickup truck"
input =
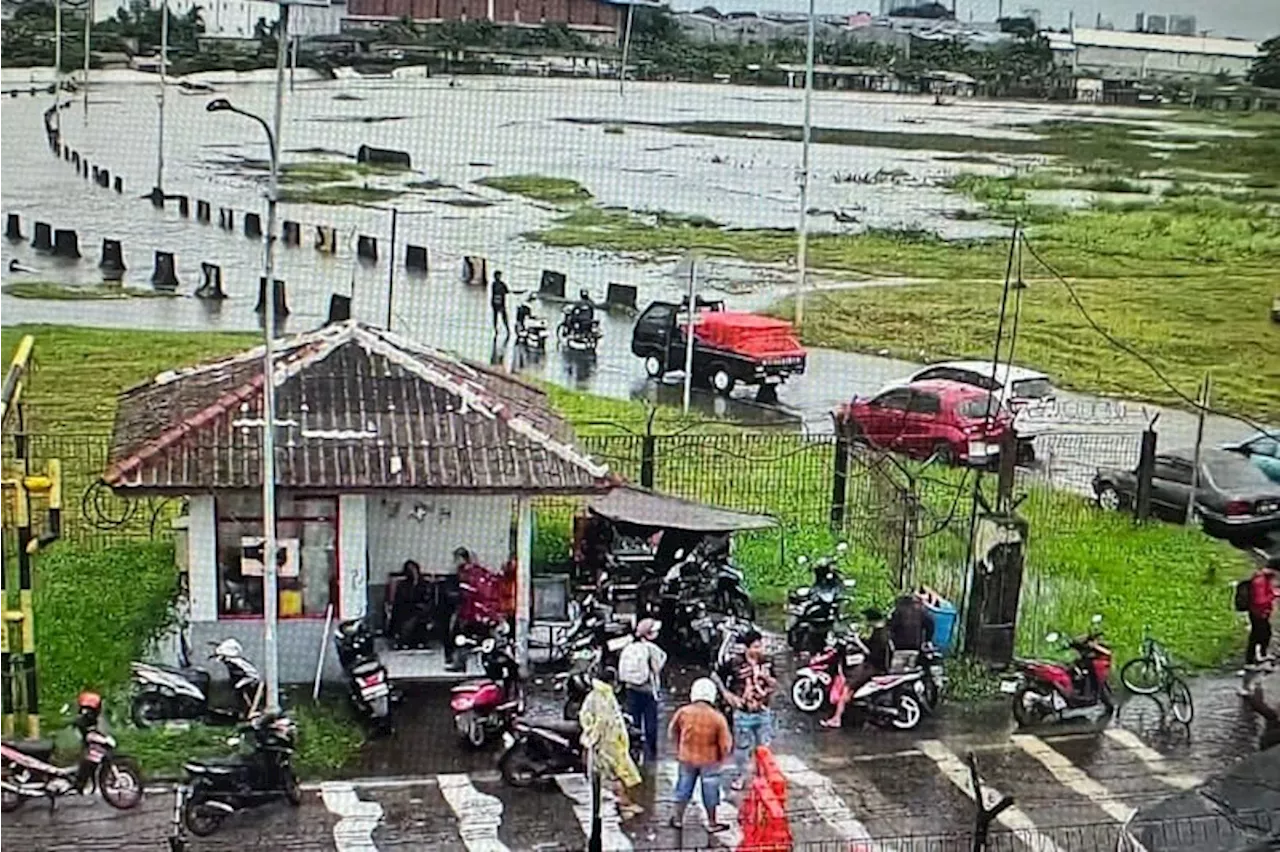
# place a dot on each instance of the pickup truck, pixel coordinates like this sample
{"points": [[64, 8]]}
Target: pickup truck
{"points": [[729, 347]]}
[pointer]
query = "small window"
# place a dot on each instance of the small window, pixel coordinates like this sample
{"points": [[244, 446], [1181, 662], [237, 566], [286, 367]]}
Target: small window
{"points": [[894, 399], [924, 403], [1172, 469], [979, 408], [307, 534], [932, 373], [1033, 389]]}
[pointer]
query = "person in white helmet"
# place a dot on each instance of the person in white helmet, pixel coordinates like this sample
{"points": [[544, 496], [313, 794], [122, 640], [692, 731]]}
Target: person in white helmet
{"points": [[703, 742]]}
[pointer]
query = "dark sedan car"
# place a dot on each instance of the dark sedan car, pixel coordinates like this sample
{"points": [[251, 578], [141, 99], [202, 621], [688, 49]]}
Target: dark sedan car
{"points": [[1234, 499]]}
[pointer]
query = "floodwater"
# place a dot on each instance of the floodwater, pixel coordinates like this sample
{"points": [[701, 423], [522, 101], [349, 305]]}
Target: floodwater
{"points": [[456, 135]]}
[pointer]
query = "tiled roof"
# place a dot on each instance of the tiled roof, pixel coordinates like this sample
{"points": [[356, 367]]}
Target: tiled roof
{"points": [[356, 407]]}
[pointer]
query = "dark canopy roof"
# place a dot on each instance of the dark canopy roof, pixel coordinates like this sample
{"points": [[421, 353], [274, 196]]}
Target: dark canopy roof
{"points": [[644, 508], [1237, 811]]}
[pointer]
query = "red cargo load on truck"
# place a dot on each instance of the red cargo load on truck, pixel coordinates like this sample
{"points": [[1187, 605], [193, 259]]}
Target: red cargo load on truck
{"points": [[762, 338]]}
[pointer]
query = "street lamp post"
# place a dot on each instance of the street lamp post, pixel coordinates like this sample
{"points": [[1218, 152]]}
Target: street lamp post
{"points": [[270, 564], [164, 63], [802, 249]]}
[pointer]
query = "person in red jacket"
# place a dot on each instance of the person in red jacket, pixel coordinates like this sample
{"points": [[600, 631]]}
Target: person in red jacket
{"points": [[1262, 600]]}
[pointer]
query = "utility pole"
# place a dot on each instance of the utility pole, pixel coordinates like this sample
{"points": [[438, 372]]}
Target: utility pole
{"points": [[626, 49], [88, 35], [391, 268], [164, 62], [688, 331], [802, 251], [57, 64], [1205, 390]]}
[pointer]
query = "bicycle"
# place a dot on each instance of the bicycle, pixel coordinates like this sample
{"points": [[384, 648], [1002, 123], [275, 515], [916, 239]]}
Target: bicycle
{"points": [[1153, 672]]}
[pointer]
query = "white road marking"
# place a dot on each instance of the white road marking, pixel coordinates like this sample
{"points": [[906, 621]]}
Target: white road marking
{"points": [[354, 831], [578, 790], [479, 814], [669, 770], [958, 773], [1074, 778], [828, 803], [1154, 760]]}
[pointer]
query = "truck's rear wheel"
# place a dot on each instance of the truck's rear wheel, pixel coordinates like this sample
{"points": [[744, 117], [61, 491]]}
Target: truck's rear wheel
{"points": [[720, 380]]}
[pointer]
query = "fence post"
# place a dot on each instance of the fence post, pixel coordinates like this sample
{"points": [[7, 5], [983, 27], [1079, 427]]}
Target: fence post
{"points": [[1146, 466], [840, 481], [648, 448], [1008, 465]]}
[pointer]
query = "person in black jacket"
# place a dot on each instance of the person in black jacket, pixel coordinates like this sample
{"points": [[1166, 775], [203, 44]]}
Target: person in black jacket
{"points": [[879, 654], [409, 608], [911, 625]]}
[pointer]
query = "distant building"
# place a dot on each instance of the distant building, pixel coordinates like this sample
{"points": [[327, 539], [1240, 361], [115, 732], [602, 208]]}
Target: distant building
{"points": [[1132, 57], [1156, 24], [600, 20], [1032, 14], [1139, 22], [1182, 25]]}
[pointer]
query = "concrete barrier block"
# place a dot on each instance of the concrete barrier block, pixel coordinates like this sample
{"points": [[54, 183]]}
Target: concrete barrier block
{"points": [[184, 206], [210, 282], [104, 179], [475, 271], [339, 309], [112, 262], [367, 248], [226, 219], [326, 239], [118, 184], [383, 156], [291, 233], [157, 196], [281, 301], [415, 258], [551, 284], [164, 275], [43, 238], [13, 227], [203, 212], [253, 226], [621, 296], [66, 243]]}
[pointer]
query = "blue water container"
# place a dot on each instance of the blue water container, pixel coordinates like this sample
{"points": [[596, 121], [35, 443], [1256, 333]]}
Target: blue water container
{"points": [[944, 625]]}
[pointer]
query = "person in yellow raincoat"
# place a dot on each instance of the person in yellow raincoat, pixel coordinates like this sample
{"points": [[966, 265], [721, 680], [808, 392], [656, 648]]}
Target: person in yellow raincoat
{"points": [[604, 730]]}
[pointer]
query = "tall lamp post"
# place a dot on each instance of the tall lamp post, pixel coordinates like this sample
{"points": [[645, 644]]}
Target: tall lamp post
{"points": [[802, 250], [157, 193], [270, 565]]}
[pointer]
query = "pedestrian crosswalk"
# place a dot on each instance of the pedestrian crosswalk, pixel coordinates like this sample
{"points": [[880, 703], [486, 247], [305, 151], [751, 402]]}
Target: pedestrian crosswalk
{"points": [[864, 804]]}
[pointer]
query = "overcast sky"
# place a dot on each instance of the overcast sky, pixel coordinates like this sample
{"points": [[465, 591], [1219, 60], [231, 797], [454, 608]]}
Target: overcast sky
{"points": [[1258, 19]]}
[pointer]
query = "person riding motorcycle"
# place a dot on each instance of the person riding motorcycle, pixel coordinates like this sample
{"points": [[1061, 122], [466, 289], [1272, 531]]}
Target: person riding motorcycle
{"points": [[524, 312], [583, 313], [878, 654], [912, 625]]}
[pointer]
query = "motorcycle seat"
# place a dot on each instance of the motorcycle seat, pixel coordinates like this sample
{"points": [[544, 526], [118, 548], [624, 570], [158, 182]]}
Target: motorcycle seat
{"points": [[39, 749], [564, 728], [216, 765], [198, 676], [366, 668]]}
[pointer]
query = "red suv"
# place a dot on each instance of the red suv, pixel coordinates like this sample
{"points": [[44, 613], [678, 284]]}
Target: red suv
{"points": [[954, 421]]}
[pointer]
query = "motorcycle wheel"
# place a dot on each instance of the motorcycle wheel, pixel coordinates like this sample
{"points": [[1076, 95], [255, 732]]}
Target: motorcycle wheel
{"points": [[909, 712], [9, 801], [518, 767], [931, 694], [292, 792], [147, 711], [808, 694], [1029, 715], [477, 735], [120, 783], [200, 819]]}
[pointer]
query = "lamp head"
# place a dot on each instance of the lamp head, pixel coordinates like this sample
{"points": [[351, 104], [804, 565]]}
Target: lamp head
{"points": [[218, 105]]}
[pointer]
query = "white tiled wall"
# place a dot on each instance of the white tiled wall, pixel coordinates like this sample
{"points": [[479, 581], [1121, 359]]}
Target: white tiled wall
{"points": [[202, 558], [427, 527]]}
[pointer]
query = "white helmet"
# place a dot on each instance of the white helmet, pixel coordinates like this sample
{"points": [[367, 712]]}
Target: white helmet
{"points": [[703, 689], [229, 648]]}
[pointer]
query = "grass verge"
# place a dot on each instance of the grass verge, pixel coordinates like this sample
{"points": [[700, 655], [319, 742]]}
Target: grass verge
{"points": [[59, 292], [553, 190]]}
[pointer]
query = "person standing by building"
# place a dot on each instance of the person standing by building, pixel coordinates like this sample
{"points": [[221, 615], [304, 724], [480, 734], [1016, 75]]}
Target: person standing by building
{"points": [[703, 743], [498, 301], [1262, 601], [640, 669], [747, 684]]}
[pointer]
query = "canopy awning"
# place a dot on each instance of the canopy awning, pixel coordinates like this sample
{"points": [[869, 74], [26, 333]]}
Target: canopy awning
{"points": [[643, 508]]}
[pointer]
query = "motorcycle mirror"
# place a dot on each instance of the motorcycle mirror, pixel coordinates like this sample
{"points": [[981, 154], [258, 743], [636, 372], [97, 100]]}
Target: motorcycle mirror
{"points": [[1052, 637], [679, 554], [842, 548], [1097, 618], [460, 641]]}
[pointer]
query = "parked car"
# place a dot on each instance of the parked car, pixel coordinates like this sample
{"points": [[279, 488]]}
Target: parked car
{"points": [[953, 421], [1023, 388], [729, 347], [1263, 451], [1234, 499]]}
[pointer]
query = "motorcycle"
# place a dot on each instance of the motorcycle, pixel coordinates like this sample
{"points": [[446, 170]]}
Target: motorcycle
{"points": [[890, 700], [370, 690], [165, 692], [531, 329], [538, 751], [486, 706], [26, 773], [596, 638], [731, 597], [578, 333], [813, 611], [219, 787], [1045, 689]]}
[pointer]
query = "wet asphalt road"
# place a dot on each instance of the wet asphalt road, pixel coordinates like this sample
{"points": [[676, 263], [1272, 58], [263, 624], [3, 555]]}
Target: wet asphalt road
{"points": [[868, 785]]}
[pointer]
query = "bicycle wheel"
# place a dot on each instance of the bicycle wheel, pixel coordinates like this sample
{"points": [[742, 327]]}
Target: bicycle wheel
{"points": [[1141, 676], [1180, 700]]}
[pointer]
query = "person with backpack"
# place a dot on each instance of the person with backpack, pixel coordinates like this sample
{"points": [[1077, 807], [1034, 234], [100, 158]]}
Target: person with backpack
{"points": [[640, 671], [1257, 596]]}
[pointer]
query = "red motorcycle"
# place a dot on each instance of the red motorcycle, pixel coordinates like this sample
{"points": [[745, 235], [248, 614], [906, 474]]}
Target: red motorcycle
{"points": [[485, 707], [1047, 690]]}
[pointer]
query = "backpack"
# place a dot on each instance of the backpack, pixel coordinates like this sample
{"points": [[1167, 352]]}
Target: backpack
{"points": [[1244, 596], [633, 665]]}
